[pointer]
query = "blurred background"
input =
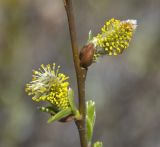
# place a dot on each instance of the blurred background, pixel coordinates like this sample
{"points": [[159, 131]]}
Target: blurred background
{"points": [[126, 88]]}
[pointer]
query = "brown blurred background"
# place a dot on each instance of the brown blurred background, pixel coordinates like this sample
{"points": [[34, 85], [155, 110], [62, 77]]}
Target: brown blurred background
{"points": [[126, 88]]}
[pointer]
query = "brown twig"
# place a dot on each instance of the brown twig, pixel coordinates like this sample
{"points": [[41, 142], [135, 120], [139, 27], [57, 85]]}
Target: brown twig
{"points": [[80, 73]]}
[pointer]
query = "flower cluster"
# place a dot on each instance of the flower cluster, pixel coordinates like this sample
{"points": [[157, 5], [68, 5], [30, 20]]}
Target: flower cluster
{"points": [[114, 37], [49, 85]]}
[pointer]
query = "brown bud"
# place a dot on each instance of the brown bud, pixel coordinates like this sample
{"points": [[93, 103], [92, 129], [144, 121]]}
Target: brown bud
{"points": [[86, 55], [67, 118]]}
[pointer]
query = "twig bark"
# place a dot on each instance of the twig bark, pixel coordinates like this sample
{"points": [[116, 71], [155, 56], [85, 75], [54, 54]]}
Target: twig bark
{"points": [[80, 73]]}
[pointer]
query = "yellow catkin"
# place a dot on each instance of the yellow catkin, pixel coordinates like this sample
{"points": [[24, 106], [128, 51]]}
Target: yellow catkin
{"points": [[114, 37], [49, 85]]}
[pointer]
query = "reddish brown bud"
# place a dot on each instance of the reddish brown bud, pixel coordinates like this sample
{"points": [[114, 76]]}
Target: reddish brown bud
{"points": [[86, 55], [67, 119]]}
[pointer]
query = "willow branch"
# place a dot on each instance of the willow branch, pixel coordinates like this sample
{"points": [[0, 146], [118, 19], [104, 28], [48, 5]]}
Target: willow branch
{"points": [[80, 73]]}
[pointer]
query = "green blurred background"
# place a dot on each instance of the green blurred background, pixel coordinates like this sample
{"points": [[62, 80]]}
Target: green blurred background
{"points": [[126, 88]]}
